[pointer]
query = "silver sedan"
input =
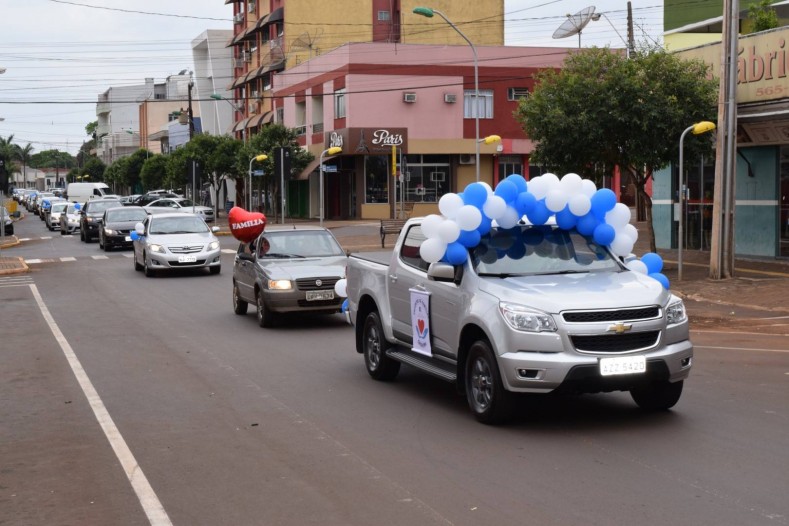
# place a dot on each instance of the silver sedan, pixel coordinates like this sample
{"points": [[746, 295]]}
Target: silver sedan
{"points": [[175, 241], [180, 204]]}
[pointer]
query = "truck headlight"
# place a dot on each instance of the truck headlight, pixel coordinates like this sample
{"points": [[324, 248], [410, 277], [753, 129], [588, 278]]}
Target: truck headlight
{"points": [[675, 313], [280, 284], [525, 319], [156, 248]]}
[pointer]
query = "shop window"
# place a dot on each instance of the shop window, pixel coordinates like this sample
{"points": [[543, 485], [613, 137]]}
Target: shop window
{"points": [[510, 164], [339, 104], [376, 179], [485, 104], [425, 178]]}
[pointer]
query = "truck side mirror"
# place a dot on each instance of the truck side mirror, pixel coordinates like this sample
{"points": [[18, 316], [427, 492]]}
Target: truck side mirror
{"points": [[441, 272]]}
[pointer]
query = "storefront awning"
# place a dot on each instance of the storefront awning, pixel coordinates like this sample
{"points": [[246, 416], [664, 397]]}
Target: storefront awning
{"points": [[305, 174], [259, 120], [240, 125]]}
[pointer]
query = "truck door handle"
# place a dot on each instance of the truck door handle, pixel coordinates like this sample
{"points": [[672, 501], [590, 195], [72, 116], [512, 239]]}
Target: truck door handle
{"points": [[393, 277]]}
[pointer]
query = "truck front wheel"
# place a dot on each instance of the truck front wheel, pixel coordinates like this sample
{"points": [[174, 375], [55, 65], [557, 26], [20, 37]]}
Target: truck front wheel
{"points": [[658, 396], [487, 398], [379, 365]]}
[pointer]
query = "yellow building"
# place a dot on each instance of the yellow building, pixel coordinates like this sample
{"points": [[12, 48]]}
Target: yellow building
{"points": [[272, 36]]}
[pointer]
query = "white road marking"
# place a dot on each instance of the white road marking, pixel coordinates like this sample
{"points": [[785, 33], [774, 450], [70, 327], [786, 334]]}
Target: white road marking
{"points": [[128, 255], [228, 251], [99, 257], [68, 259], [151, 505], [45, 237], [739, 348], [32, 261], [24, 239]]}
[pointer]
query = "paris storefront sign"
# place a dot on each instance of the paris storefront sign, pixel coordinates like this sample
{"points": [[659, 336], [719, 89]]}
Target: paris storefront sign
{"points": [[368, 141]]}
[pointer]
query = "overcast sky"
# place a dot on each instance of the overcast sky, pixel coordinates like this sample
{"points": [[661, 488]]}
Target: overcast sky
{"points": [[60, 55]]}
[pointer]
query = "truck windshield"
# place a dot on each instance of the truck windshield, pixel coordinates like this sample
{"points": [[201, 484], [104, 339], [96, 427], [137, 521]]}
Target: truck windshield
{"points": [[534, 250]]}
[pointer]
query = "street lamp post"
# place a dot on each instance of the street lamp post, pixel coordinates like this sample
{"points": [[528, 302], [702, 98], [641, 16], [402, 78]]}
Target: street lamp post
{"points": [[334, 150], [428, 12], [259, 158], [696, 129]]}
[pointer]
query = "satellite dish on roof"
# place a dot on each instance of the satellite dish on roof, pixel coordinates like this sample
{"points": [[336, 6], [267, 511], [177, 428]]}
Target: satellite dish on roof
{"points": [[575, 24]]}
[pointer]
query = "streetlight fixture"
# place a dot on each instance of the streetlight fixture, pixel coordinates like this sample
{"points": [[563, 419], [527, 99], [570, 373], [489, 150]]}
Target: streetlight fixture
{"points": [[334, 150], [696, 129], [429, 12], [259, 158]]}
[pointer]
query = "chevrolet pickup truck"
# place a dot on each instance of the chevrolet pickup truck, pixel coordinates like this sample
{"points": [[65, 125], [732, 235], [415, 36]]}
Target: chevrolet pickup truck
{"points": [[534, 309]]}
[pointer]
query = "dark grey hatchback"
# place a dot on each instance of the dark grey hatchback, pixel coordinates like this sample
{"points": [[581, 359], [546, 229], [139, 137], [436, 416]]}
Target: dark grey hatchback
{"points": [[117, 224]]}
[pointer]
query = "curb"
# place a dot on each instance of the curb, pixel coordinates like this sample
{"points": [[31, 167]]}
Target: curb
{"points": [[10, 244], [22, 269]]}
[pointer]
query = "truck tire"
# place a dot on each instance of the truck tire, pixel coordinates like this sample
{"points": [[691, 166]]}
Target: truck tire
{"points": [[147, 270], [264, 314], [379, 365], [659, 396], [488, 400], [239, 306]]}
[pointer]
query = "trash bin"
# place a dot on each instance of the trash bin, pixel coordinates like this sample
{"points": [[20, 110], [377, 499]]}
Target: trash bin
{"points": [[228, 206]]}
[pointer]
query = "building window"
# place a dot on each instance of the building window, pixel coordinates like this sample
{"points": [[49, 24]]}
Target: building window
{"points": [[383, 16], [280, 113], [267, 81], [339, 104], [425, 178], [510, 164], [376, 179], [485, 104], [514, 94]]}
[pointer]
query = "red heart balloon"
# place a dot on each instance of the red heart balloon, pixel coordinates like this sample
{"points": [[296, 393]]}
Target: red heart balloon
{"points": [[245, 226]]}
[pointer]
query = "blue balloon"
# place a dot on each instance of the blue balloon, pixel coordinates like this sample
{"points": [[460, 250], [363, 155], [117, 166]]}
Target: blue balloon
{"points": [[539, 214], [519, 181], [516, 251], [484, 226], [469, 238], [525, 203], [507, 190], [661, 278], [475, 194], [604, 234], [134, 235], [456, 253], [345, 305], [586, 224], [653, 262], [77, 206], [603, 201], [565, 219]]}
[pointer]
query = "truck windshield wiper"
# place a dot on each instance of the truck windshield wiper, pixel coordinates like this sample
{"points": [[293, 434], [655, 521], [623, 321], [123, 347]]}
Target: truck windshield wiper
{"points": [[561, 272], [280, 255], [501, 275]]}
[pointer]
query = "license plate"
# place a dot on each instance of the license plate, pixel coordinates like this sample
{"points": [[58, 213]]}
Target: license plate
{"points": [[187, 259], [317, 295], [127, 238], [623, 365]]}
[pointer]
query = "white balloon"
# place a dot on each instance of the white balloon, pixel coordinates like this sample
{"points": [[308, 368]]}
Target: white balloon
{"points": [[494, 207], [538, 187], [430, 225], [468, 217], [552, 180], [448, 231], [556, 200], [622, 245], [637, 266], [588, 188], [449, 204], [340, 288], [618, 216], [579, 204], [629, 231], [509, 218], [571, 184], [487, 187], [432, 249]]}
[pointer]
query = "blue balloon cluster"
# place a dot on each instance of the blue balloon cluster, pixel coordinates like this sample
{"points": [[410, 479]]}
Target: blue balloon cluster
{"points": [[575, 203], [134, 235]]}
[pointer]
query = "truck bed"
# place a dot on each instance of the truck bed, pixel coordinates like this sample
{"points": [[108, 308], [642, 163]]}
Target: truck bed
{"points": [[381, 257]]}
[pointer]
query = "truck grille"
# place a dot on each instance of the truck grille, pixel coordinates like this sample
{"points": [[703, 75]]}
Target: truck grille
{"points": [[185, 249], [312, 283], [616, 343], [641, 313]]}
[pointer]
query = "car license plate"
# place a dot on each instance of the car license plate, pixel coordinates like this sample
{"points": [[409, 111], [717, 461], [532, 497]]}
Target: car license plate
{"points": [[127, 238], [623, 365], [317, 295], [187, 259]]}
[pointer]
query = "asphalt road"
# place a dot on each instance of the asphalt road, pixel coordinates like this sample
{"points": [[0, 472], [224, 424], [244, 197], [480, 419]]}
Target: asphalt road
{"points": [[200, 417]]}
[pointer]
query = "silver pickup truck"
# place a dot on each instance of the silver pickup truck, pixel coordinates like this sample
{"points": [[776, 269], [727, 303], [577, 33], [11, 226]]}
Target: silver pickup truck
{"points": [[535, 309]]}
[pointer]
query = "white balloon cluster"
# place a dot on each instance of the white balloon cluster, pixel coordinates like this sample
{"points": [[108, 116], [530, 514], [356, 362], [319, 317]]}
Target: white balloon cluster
{"points": [[576, 203]]}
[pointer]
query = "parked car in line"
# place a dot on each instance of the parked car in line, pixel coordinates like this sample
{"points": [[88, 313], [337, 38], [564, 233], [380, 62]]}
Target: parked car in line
{"points": [[288, 270], [91, 214], [53, 217], [180, 204], [69, 219], [84, 192], [117, 225], [129, 199], [8, 223], [45, 207], [146, 199], [175, 241], [36, 204]]}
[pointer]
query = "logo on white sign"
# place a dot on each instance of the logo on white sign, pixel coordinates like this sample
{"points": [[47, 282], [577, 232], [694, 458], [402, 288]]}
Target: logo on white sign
{"points": [[335, 140], [385, 138]]}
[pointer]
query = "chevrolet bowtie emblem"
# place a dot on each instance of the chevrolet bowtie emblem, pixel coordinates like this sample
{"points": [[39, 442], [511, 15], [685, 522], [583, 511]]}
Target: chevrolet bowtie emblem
{"points": [[619, 328]]}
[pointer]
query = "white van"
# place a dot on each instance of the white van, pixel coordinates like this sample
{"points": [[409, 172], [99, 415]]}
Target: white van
{"points": [[83, 192]]}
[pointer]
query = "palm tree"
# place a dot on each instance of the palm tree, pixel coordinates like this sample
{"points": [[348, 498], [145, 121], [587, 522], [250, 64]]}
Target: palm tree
{"points": [[23, 155]]}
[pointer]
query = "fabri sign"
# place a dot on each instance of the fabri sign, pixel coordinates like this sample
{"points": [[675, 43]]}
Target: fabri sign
{"points": [[373, 141]]}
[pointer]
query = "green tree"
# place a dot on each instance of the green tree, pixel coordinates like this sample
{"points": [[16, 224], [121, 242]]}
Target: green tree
{"points": [[762, 16], [6, 157], [603, 110], [94, 168], [153, 172], [24, 155]]}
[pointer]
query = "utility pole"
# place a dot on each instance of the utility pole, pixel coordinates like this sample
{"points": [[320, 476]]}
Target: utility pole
{"points": [[189, 111], [631, 41]]}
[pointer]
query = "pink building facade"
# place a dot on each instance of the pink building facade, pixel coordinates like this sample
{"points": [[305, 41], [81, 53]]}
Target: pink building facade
{"points": [[404, 117]]}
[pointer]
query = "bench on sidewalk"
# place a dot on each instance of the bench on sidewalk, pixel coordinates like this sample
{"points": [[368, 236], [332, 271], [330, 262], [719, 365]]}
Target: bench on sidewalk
{"points": [[390, 226]]}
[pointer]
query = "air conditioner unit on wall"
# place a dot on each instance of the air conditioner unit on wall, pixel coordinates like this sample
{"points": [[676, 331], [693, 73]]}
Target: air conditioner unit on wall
{"points": [[409, 96], [466, 158], [450, 97]]}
